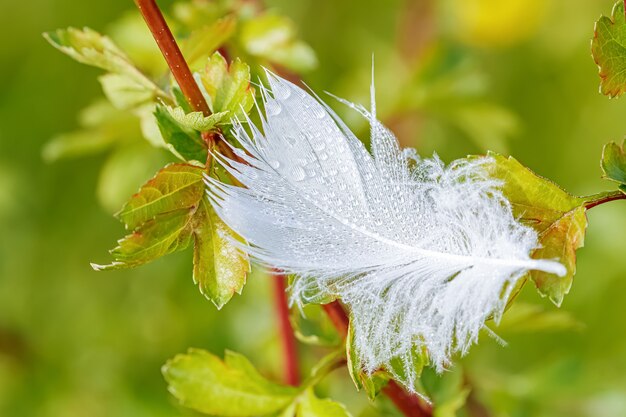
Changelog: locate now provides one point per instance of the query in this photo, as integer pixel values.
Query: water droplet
(274, 164)
(272, 108)
(318, 145)
(291, 140)
(297, 173)
(281, 91)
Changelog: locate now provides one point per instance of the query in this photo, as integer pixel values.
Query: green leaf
(448, 391)
(196, 120)
(102, 126)
(525, 317)
(89, 47)
(232, 388)
(164, 214)
(419, 359)
(180, 99)
(614, 163)
(312, 326)
(273, 37)
(124, 92)
(164, 234)
(558, 217)
(149, 126)
(311, 406)
(176, 186)
(184, 142)
(371, 383)
(609, 51)
(219, 268)
(375, 382)
(206, 40)
(78, 143)
(227, 87)
(560, 241)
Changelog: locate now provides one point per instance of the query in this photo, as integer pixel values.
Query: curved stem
(601, 198)
(290, 350)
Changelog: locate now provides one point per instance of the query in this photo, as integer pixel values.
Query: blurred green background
(453, 76)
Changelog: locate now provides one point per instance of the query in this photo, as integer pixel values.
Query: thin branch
(411, 405)
(290, 349)
(172, 54)
(602, 198)
(338, 317)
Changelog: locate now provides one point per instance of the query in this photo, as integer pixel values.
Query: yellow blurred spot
(497, 22)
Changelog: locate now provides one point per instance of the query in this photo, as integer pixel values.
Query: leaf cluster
(169, 212)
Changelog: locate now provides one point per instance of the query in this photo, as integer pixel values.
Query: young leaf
(614, 163)
(206, 40)
(177, 186)
(609, 51)
(219, 268)
(229, 388)
(195, 120)
(227, 88)
(558, 217)
(124, 92)
(164, 214)
(89, 47)
(184, 142)
(311, 406)
(102, 126)
(164, 234)
(273, 37)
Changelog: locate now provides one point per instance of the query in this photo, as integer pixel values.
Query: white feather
(422, 254)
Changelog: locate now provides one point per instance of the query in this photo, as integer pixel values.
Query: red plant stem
(411, 405)
(617, 195)
(338, 317)
(172, 54)
(290, 350)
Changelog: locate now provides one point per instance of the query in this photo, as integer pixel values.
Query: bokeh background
(455, 76)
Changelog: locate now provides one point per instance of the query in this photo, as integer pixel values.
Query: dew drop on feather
(273, 108)
(297, 173)
(281, 92)
(274, 163)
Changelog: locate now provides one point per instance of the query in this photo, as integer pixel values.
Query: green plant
(169, 212)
